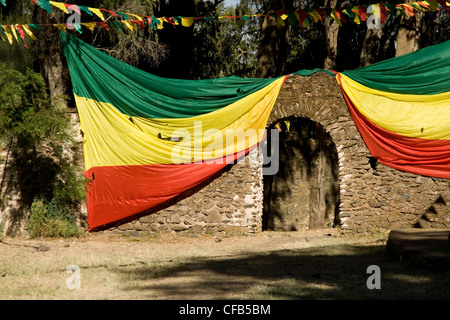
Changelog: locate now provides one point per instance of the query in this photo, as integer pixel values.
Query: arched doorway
(304, 193)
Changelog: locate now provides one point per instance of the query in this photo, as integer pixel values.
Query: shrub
(51, 220)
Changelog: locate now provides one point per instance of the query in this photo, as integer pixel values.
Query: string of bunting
(358, 14)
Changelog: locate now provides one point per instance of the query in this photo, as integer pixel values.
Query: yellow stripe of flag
(112, 138)
(417, 116)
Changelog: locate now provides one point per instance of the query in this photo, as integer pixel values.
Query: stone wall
(229, 202)
(371, 196)
(13, 212)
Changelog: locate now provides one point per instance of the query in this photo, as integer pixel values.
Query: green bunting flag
(304, 17)
(44, 4)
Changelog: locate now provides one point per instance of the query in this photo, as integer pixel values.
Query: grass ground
(316, 264)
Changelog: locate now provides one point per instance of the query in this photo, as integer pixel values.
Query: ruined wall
(371, 196)
(229, 202)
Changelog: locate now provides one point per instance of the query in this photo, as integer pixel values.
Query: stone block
(214, 216)
(179, 227)
(147, 219)
(197, 229)
(173, 218)
(125, 227)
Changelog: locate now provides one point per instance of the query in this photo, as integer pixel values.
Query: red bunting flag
(301, 16)
(408, 9)
(362, 12)
(111, 12)
(104, 25)
(140, 23)
(74, 7)
(322, 12)
(383, 13)
(22, 34)
(340, 15)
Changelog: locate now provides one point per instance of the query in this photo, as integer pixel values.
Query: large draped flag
(147, 139)
(401, 107)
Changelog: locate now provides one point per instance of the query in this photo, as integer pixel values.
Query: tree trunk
(331, 38)
(414, 32)
(408, 36)
(371, 47)
(274, 41)
(49, 55)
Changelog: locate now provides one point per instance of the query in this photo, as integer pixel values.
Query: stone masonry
(230, 202)
(372, 196)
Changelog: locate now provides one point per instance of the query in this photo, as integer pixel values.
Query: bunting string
(358, 14)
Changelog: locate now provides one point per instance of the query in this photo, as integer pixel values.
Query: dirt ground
(314, 264)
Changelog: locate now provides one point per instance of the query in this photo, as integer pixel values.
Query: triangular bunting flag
(44, 4)
(89, 25)
(98, 13)
(59, 5)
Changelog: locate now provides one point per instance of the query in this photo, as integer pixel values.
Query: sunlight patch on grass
(289, 289)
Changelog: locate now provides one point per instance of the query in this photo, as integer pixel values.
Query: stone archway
(304, 192)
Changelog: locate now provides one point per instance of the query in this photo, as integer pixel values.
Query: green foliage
(228, 46)
(16, 56)
(51, 220)
(40, 140)
(2, 231)
(137, 47)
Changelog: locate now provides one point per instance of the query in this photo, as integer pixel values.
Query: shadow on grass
(329, 272)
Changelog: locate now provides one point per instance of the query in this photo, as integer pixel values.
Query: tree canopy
(213, 48)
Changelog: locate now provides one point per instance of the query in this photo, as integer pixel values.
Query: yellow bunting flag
(357, 20)
(61, 26)
(288, 125)
(315, 15)
(278, 126)
(187, 21)
(90, 25)
(13, 31)
(98, 13)
(28, 32)
(376, 10)
(59, 5)
(135, 15)
(335, 17)
(160, 25)
(128, 24)
(1, 33)
(280, 22)
(8, 35)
